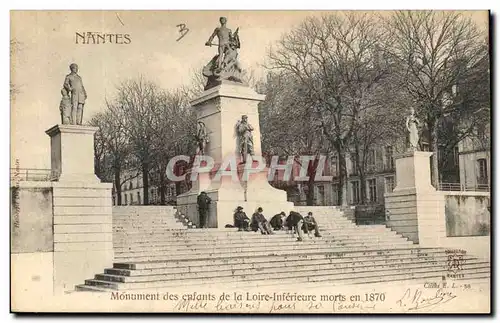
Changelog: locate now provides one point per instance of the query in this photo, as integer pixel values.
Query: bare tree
(174, 130)
(289, 127)
(112, 150)
(137, 103)
(338, 60)
(436, 50)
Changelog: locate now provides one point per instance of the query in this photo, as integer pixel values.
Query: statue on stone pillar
(412, 124)
(224, 65)
(201, 137)
(245, 137)
(73, 84)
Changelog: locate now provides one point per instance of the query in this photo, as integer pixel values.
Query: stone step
(275, 262)
(422, 277)
(296, 277)
(244, 244)
(282, 266)
(250, 249)
(126, 241)
(344, 254)
(264, 253)
(234, 232)
(247, 236)
(258, 243)
(272, 273)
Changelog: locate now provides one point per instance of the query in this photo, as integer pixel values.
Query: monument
(228, 109)
(73, 97)
(413, 193)
(81, 204)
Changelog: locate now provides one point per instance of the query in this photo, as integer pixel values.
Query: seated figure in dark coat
(241, 220)
(278, 221)
(260, 222)
(311, 224)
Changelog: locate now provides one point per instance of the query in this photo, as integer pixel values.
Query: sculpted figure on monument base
(75, 91)
(412, 125)
(201, 138)
(224, 65)
(244, 137)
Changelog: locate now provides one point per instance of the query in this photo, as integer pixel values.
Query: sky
(47, 46)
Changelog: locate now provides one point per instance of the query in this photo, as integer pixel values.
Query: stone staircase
(153, 250)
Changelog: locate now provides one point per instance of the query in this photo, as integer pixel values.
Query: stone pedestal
(413, 194)
(72, 153)
(220, 108)
(413, 171)
(80, 207)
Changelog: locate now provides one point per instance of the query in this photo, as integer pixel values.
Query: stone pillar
(81, 208)
(72, 153)
(411, 196)
(413, 172)
(220, 108)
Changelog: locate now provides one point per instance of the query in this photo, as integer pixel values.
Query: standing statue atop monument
(225, 65)
(73, 84)
(412, 124)
(245, 137)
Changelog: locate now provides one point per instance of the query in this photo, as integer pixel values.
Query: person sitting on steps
(294, 222)
(259, 221)
(277, 221)
(311, 224)
(241, 220)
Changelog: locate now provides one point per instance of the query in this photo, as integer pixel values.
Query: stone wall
(31, 218)
(61, 233)
(467, 215)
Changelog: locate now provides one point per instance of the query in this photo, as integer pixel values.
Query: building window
(371, 157)
(131, 199)
(372, 190)
(389, 160)
(354, 169)
(355, 192)
(483, 171)
(389, 184)
(138, 197)
(130, 186)
(335, 189)
(125, 198)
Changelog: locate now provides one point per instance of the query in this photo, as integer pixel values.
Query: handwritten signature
(413, 300)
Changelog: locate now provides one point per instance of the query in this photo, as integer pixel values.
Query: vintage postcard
(276, 162)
